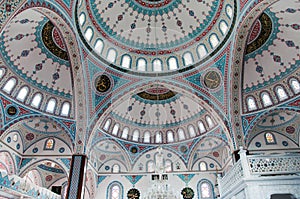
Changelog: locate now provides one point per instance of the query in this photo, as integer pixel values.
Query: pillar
(77, 177)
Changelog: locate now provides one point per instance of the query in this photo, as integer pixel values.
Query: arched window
(266, 99)
(158, 137)
(181, 135)
(126, 61)
(172, 63)
(170, 136)
(81, 18)
(2, 71)
(157, 65)
(270, 138)
(229, 11)
(150, 166)
(223, 27)
(141, 64)
(9, 86)
(15, 137)
(192, 131)
(201, 127)
(135, 135)
(188, 59)
(251, 104)
(201, 50)
(99, 46)
(206, 190)
(107, 125)
(49, 144)
(168, 166)
(115, 191)
(281, 94)
(65, 111)
(36, 101)
(214, 40)
(147, 137)
(51, 105)
(125, 133)
(295, 85)
(115, 168)
(115, 129)
(209, 122)
(89, 33)
(202, 166)
(111, 55)
(23, 94)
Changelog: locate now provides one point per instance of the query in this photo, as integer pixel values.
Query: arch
(213, 40)
(295, 85)
(141, 64)
(192, 131)
(170, 136)
(168, 166)
(125, 133)
(89, 34)
(223, 27)
(107, 124)
(202, 166)
(158, 137)
(23, 93)
(115, 190)
(202, 51)
(65, 110)
(36, 100)
(115, 129)
(150, 166)
(251, 103)
(205, 189)
(82, 18)
(116, 168)
(7, 160)
(173, 63)
(229, 11)
(98, 47)
(111, 55)
(187, 58)
(181, 134)
(147, 137)
(126, 61)
(209, 121)
(157, 65)
(281, 93)
(2, 72)
(135, 135)
(49, 144)
(51, 105)
(10, 85)
(266, 100)
(269, 138)
(201, 127)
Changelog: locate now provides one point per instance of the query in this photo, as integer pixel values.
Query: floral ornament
(187, 193)
(133, 194)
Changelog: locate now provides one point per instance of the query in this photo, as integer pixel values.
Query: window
(192, 131)
(202, 166)
(201, 127)
(214, 40)
(168, 166)
(125, 133)
(181, 135)
(135, 135)
(251, 104)
(150, 166)
(2, 71)
(23, 94)
(188, 59)
(295, 85)
(141, 64)
(81, 18)
(115, 129)
(223, 27)
(229, 11)
(206, 190)
(126, 61)
(9, 86)
(147, 137)
(266, 99)
(270, 139)
(201, 50)
(172, 63)
(51, 105)
(65, 109)
(158, 137)
(15, 136)
(49, 144)
(89, 34)
(107, 125)
(170, 136)
(115, 168)
(99, 46)
(115, 191)
(36, 101)
(281, 94)
(209, 122)
(111, 55)
(157, 65)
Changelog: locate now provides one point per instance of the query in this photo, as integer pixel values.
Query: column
(77, 177)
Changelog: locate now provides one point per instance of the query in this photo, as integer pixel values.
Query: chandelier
(160, 189)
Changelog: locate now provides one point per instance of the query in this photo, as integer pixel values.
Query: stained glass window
(36, 101)
(107, 125)
(266, 99)
(125, 133)
(205, 190)
(203, 166)
(10, 84)
(115, 192)
(295, 85)
(147, 137)
(251, 104)
(270, 139)
(281, 93)
(23, 93)
(49, 145)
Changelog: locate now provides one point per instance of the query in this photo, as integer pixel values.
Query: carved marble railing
(15, 185)
(264, 165)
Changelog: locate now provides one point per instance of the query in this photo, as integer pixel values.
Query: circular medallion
(102, 84)
(187, 193)
(12, 110)
(134, 149)
(212, 79)
(133, 194)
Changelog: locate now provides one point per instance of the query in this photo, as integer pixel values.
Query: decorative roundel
(187, 193)
(29, 136)
(107, 168)
(285, 143)
(258, 144)
(212, 79)
(48, 178)
(169, 155)
(133, 194)
(148, 156)
(103, 83)
(183, 149)
(216, 154)
(35, 150)
(134, 149)
(290, 129)
(12, 110)
(62, 149)
(211, 165)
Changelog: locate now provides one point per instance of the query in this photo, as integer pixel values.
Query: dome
(154, 37)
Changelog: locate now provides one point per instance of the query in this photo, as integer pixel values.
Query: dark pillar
(77, 177)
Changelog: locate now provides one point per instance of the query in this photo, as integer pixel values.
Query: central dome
(154, 35)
